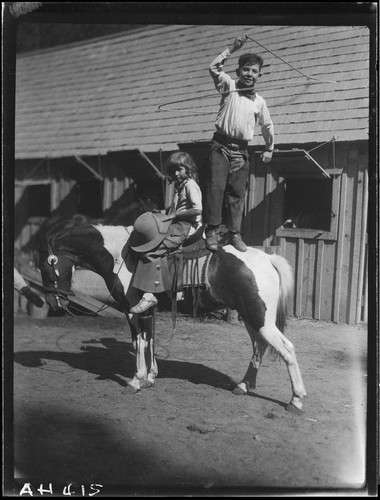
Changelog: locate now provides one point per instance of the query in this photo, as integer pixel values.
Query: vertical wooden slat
(340, 247)
(114, 194)
(282, 247)
(362, 249)
(106, 194)
(20, 215)
(299, 282)
(318, 278)
(355, 209)
(54, 195)
(364, 316)
(268, 190)
(308, 306)
(249, 206)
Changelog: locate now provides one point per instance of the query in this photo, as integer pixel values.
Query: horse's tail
(285, 273)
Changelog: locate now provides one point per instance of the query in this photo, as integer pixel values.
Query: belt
(230, 142)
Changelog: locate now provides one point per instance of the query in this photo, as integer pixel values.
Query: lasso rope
(316, 80)
(293, 67)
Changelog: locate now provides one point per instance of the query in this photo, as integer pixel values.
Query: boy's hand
(266, 156)
(32, 297)
(238, 43)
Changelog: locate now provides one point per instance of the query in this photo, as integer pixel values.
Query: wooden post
(299, 282)
(340, 247)
(363, 241)
(318, 279)
(268, 189)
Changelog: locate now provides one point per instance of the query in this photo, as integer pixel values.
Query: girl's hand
(169, 217)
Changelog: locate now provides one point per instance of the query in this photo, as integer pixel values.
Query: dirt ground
(76, 423)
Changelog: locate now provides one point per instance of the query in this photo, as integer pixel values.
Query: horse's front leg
(249, 380)
(148, 324)
(143, 341)
(153, 371)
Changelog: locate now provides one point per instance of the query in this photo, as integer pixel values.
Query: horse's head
(56, 272)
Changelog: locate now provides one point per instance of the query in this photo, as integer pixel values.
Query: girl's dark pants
(227, 181)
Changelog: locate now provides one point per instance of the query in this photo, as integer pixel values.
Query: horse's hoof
(146, 384)
(238, 391)
(293, 409)
(131, 389)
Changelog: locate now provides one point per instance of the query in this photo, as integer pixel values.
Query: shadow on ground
(114, 359)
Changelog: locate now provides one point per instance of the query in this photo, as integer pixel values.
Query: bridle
(57, 292)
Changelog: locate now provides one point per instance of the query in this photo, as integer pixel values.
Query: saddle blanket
(189, 272)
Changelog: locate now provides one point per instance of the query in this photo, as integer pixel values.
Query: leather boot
(237, 242)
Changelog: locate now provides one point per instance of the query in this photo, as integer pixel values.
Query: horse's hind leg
(273, 336)
(249, 380)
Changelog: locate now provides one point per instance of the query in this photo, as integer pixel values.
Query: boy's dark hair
(249, 59)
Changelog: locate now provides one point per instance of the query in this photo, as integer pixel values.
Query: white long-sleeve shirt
(238, 114)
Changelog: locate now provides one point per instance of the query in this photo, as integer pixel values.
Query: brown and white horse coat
(254, 283)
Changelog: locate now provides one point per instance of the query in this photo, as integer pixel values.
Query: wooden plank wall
(114, 186)
(330, 275)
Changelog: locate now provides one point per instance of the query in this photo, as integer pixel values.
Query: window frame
(318, 234)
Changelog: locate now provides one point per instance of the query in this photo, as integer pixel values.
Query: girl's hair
(180, 158)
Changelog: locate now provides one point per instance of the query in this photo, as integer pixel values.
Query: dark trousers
(227, 182)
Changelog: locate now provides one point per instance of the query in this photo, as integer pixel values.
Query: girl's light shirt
(188, 196)
(238, 115)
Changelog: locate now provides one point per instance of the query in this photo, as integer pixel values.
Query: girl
(155, 235)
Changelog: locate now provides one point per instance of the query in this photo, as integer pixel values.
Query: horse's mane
(56, 227)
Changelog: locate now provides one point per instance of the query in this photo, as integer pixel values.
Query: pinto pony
(256, 284)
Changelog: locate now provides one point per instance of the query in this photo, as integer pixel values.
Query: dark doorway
(90, 195)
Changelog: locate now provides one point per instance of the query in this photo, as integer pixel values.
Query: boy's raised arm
(216, 67)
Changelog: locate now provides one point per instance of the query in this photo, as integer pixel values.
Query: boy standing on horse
(241, 108)
(156, 234)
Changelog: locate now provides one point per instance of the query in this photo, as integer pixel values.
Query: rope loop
(315, 80)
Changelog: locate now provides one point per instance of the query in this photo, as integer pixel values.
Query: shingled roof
(150, 88)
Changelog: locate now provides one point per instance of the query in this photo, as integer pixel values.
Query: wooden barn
(96, 120)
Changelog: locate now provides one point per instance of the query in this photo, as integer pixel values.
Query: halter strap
(52, 262)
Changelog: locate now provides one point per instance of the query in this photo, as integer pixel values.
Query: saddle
(187, 264)
(184, 267)
(188, 269)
